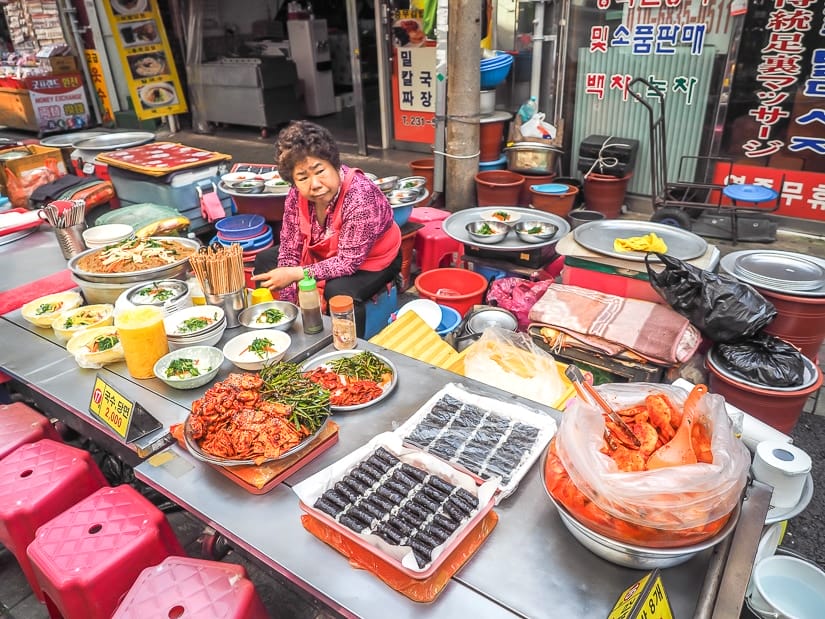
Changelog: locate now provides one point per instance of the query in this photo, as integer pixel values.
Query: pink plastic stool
(426, 214)
(21, 424)
(86, 558)
(192, 588)
(38, 481)
(433, 247)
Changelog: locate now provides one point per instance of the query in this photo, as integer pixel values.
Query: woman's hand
(280, 278)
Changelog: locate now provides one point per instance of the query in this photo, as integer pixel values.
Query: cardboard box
(60, 64)
(22, 176)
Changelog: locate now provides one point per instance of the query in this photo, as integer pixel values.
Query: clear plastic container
(310, 304)
(528, 109)
(342, 312)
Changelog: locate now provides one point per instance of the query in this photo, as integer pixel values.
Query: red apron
(381, 255)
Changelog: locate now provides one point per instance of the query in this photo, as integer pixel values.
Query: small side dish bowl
(487, 232)
(412, 183)
(250, 186)
(269, 315)
(501, 215)
(234, 179)
(190, 367)
(193, 321)
(386, 183)
(272, 343)
(276, 186)
(42, 311)
(107, 234)
(535, 231)
(79, 319)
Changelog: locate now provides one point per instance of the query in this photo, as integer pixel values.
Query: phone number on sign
(415, 121)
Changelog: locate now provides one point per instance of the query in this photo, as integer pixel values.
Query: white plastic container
(783, 466)
(788, 588)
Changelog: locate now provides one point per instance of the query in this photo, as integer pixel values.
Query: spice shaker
(310, 305)
(342, 312)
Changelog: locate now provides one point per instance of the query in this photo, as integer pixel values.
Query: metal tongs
(587, 392)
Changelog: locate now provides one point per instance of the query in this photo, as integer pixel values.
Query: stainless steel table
(529, 566)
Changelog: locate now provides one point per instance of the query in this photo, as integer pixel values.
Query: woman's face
(317, 180)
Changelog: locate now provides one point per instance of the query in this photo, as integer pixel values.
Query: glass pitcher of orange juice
(143, 338)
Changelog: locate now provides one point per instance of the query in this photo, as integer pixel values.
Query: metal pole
(384, 52)
(68, 13)
(538, 40)
(357, 88)
(441, 71)
(561, 59)
(464, 55)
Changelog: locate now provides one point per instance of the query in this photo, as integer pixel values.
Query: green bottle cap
(308, 283)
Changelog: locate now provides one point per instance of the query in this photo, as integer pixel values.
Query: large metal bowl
(252, 317)
(173, 270)
(531, 158)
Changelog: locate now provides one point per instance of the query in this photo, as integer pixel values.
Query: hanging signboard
(413, 80)
(59, 102)
(146, 57)
(98, 85)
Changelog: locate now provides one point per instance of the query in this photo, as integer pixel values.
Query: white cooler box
(180, 190)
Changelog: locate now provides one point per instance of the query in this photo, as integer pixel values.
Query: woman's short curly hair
(301, 139)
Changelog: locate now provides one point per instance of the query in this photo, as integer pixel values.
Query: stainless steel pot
(531, 158)
(174, 270)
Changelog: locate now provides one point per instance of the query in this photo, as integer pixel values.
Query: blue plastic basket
(241, 227)
(492, 77)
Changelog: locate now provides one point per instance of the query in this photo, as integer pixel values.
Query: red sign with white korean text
(59, 102)
(803, 193)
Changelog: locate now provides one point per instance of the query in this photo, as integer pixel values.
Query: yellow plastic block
(411, 336)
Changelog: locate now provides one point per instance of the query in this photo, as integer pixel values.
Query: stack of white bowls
(107, 234)
(184, 328)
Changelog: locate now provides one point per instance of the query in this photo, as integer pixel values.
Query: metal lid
(115, 141)
(781, 270)
(532, 146)
(491, 317)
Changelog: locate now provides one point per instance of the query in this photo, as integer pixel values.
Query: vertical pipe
(538, 41)
(357, 88)
(384, 96)
(69, 12)
(441, 28)
(561, 59)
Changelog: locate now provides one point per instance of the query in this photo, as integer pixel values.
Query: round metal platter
(598, 236)
(325, 359)
(65, 140)
(455, 227)
(194, 449)
(115, 141)
(728, 265)
(785, 271)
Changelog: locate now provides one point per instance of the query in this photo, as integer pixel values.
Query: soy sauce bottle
(310, 304)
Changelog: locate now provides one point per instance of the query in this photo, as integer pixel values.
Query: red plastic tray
(36, 221)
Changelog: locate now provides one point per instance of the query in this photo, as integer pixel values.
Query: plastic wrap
(669, 499)
(489, 438)
(513, 362)
(147, 219)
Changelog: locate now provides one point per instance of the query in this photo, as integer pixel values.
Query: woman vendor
(337, 224)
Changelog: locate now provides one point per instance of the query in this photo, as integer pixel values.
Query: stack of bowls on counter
(403, 194)
(107, 234)
(200, 325)
(251, 232)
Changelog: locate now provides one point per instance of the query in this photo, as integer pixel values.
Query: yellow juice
(143, 338)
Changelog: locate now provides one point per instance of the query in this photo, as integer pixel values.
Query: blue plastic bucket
(450, 319)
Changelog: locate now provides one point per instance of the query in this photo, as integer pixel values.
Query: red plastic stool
(185, 587)
(426, 214)
(435, 249)
(38, 481)
(86, 558)
(21, 424)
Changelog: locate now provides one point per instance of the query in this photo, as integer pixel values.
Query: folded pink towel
(609, 322)
(15, 298)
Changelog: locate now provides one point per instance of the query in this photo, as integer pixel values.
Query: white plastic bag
(512, 362)
(537, 128)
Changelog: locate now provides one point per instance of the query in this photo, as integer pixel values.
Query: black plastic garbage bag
(721, 307)
(763, 359)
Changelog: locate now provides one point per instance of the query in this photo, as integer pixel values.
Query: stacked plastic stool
(89, 556)
(21, 424)
(38, 481)
(434, 248)
(185, 587)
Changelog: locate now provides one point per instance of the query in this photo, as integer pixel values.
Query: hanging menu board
(146, 58)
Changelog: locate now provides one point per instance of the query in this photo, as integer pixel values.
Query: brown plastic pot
(498, 187)
(799, 320)
(779, 409)
(556, 203)
(605, 193)
(491, 135)
(532, 179)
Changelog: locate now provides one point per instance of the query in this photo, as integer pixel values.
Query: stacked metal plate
(779, 271)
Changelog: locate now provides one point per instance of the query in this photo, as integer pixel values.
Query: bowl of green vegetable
(269, 315)
(535, 231)
(255, 349)
(190, 367)
(487, 232)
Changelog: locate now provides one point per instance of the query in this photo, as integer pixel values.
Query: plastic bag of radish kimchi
(669, 473)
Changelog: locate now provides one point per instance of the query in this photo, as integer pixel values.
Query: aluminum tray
(598, 236)
(66, 140)
(194, 449)
(316, 362)
(454, 227)
(115, 141)
(728, 265)
(782, 270)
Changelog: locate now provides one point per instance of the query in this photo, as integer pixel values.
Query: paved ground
(805, 535)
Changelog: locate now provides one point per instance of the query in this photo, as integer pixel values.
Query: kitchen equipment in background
(309, 49)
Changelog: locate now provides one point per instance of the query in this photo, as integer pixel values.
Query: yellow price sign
(644, 599)
(108, 405)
